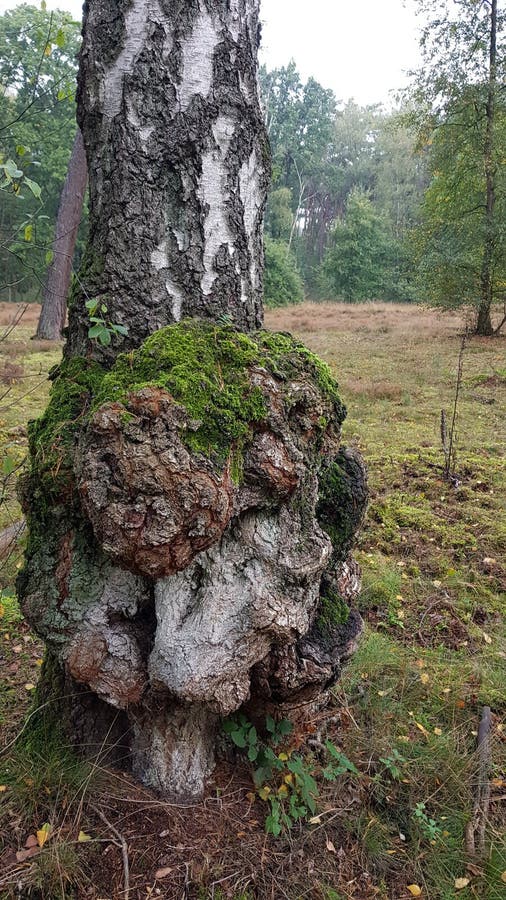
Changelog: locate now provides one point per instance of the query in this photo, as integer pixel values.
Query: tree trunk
(484, 321)
(175, 542)
(177, 157)
(56, 289)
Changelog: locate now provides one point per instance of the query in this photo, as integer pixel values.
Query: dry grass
(433, 557)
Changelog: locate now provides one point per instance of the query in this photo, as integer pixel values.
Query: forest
(252, 480)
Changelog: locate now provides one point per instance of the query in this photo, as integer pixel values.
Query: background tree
(460, 112)
(38, 65)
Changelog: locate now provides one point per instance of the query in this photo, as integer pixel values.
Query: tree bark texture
(189, 506)
(178, 162)
(56, 289)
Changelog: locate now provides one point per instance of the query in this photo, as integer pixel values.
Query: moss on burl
(205, 367)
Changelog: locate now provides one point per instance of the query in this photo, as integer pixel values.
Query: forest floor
(407, 710)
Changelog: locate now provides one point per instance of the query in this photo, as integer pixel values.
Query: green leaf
(33, 186)
(229, 726)
(28, 232)
(91, 304)
(10, 168)
(105, 337)
(60, 38)
(120, 329)
(239, 738)
(21, 149)
(8, 465)
(95, 331)
(270, 724)
(49, 257)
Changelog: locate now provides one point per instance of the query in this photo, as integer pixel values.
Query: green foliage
(38, 64)
(282, 282)
(285, 780)
(359, 262)
(101, 329)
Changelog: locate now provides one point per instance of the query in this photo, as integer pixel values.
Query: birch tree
(190, 508)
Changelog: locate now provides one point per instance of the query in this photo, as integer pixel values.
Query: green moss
(205, 367)
(332, 611)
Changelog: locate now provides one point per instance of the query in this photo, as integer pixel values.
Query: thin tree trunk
(56, 288)
(484, 321)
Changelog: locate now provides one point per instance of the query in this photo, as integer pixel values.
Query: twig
(475, 830)
(120, 842)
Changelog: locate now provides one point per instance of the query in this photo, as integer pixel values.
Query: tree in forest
(59, 273)
(460, 113)
(358, 263)
(38, 67)
(190, 508)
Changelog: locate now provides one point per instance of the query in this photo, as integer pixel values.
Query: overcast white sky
(359, 48)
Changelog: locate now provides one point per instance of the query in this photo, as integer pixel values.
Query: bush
(282, 282)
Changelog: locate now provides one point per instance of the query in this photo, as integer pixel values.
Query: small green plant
(428, 827)
(100, 329)
(393, 764)
(284, 780)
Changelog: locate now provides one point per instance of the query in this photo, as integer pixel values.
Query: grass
(407, 709)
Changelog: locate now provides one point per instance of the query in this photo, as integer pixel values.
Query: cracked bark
(177, 158)
(171, 584)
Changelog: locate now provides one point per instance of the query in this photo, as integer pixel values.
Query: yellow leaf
(382, 693)
(424, 678)
(461, 883)
(43, 834)
(415, 890)
(283, 757)
(29, 686)
(421, 728)
(487, 638)
(283, 791)
(264, 792)
(83, 838)
(288, 779)
(3, 788)
(2, 610)
(315, 820)
(47, 50)
(438, 731)
(503, 877)
(38, 662)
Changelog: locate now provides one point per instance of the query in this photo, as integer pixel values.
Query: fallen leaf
(438, 731)
(29, 686)
(415, 890)
(315, 820)
(43, 834)
(3, 788)
(487, 638)
(162, 873)
(421, 728)
(461, 883)
(22, 855)
(424, 678)
(330, 846)
(31, 841)
(503, 877)
(83, 837)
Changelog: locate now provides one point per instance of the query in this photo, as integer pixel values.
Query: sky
(359, 48)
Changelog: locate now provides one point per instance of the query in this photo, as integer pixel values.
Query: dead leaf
(330, 846)
(31, 841)
(23, 855)
(503, 876)
(3, 788)
(315, 820)
(162, 873)
(83, 837)
(29, 686)
(43, 834)
(424, 678)
(438, 731)
(461, 883)
(415, 890)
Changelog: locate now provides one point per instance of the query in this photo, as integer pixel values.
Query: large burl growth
(191, 514)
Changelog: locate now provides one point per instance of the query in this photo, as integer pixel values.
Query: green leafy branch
(101, 330)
